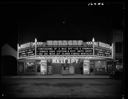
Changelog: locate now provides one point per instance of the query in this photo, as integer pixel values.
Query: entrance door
(71, 69)
(79, 68)
(56, 68)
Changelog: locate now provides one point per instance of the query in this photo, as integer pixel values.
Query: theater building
(64, 57)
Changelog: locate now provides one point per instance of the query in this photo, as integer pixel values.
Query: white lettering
(63, 60)
(49, 42)
(64, 42)
(80, 42)
(70, 42)
(74, 42)
(60, 42)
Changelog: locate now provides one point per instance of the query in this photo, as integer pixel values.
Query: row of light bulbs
(99, 3)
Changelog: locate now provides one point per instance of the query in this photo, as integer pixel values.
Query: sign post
(93, 41)
(35, 46)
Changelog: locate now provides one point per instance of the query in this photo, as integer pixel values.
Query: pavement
(14, 86)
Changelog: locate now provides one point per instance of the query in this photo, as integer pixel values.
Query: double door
(60, 69)
(56, 68)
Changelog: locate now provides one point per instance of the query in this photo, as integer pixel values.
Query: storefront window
(20, 67)
(30, 67)
(100, 66)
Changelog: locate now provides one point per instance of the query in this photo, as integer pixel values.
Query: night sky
(22, 22)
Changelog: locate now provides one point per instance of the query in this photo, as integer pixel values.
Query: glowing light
(94, 3)
(35, 40)
(99, 3)
(93, 39)
(65, 42)
(104, 45)
(63, 60)
(102, 3)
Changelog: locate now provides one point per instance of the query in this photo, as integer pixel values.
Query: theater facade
(64, 57)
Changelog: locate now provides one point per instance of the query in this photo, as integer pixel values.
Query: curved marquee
(63, 48)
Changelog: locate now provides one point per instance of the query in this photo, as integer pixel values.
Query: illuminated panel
(64, 42)
(25, 52)
(64, 51)
(103, 52)
(63, 47)
(101, 44)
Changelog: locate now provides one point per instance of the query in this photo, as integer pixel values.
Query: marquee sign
(64, 51)
(103, 52)
(27, 52)
(63, 47)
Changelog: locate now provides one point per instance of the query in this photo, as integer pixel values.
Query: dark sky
(22, 22)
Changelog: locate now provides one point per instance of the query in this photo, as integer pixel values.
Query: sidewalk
(59, 76)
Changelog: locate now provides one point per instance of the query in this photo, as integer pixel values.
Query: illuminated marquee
(104, 45)
(64, 47)
(64, 51)
(30, 44)
(65, 42)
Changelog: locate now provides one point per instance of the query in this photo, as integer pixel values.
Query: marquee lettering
(63, 60)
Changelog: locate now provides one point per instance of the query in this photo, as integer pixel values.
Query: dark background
(24, 21)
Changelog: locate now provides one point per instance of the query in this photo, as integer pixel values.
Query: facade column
(17, 57)
(86, 66)
(24, 65)
(113, 51)
(105, 66)
(43, 66)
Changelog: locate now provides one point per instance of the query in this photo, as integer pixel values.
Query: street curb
(59, 77)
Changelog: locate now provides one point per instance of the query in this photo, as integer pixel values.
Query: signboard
(27, 52)
(65, 42)
(64, 47)
(64, 51)
(103, 52)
